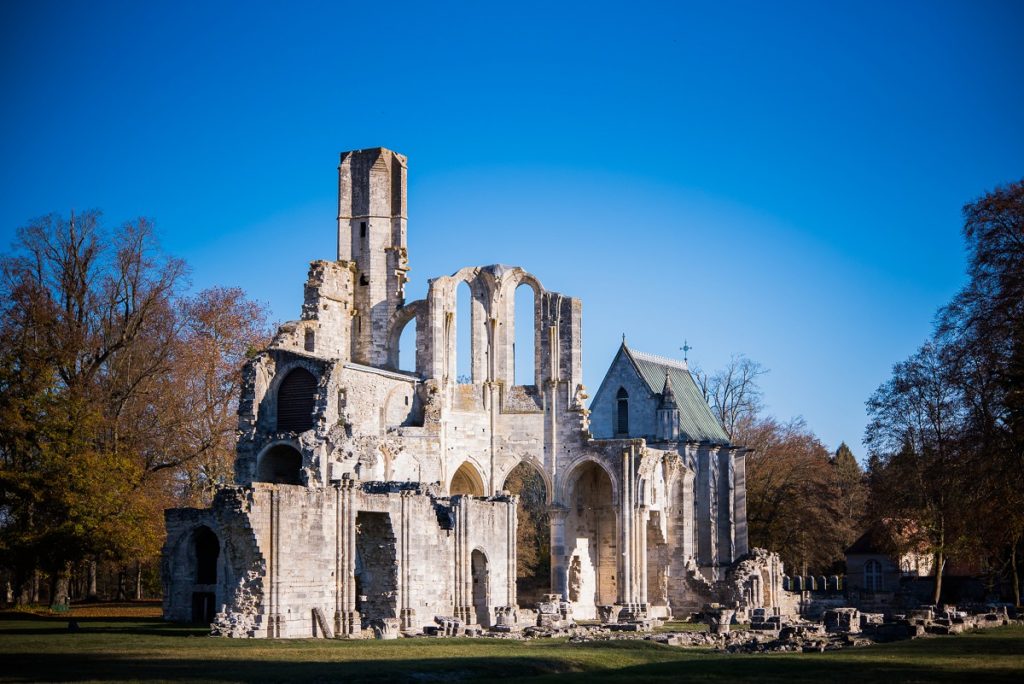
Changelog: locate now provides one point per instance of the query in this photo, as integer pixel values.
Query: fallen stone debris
(767, 633)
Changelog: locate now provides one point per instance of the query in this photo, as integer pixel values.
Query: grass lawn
(134, 646)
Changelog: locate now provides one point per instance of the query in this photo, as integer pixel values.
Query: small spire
(668, 396)
(623, 339)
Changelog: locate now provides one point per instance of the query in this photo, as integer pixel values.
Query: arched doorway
(206, 553)
(591, 540)
(481, 590)
(281, 464)
(466, 480)
(533, 533)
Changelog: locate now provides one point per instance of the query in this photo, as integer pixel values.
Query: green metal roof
(696, 422)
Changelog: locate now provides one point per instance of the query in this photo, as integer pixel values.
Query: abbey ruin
(372, 500)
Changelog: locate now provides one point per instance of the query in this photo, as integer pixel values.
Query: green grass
(36, 647)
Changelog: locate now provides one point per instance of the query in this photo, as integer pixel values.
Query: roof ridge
(663, 360)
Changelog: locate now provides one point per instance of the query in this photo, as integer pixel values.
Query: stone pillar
(407, 613)
(624, 586)
(726, 490)
(512, 550)
(347, 621)
(273, 600)
(706, 518)
(463, 568)
(643, 518)
(559, 554)
(740, 501)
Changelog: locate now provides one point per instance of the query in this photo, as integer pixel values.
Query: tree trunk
(1016, 572)
(8, 593)
(35, 586)
(24, 582)
(91, 593)
(138, 580)
(940, 564)
(121, 594)
(61, 594)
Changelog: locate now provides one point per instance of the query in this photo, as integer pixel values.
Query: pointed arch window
(622, 412)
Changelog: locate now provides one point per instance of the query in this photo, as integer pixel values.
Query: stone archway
(280, 464)
(533, 532)
(206, 555)
(591, 540)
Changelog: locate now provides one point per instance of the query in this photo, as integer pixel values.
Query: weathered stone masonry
(368, 498)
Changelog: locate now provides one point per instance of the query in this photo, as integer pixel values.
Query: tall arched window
(622, 412)
(873, 576)
(296, 400)
(524, 320)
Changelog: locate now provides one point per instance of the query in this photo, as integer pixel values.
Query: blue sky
(782, 180)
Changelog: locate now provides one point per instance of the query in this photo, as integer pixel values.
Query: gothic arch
(443, 303)
(509, 281)
(467, 480)
(571, 473)
(538, 467)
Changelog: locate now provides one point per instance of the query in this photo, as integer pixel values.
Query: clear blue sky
(777, 179)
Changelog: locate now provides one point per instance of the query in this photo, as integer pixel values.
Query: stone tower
(371, 235)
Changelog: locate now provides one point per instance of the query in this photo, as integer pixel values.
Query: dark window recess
(207, 552)
(296, 399)
(310, 340)
(622, 417)
(362, 229)
(280, 465)
(363, 280)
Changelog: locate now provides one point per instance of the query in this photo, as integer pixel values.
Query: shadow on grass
(25, 624)
(89, 667)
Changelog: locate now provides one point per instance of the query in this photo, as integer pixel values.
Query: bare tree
(733, 392)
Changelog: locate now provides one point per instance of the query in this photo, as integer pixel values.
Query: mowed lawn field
(132, 643)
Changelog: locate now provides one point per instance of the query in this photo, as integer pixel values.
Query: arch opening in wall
(207, 552)
(622, 412)
(533, 533)
(463, 334)
(296, 401)
(466, 480)
(481, 588)
(407, 343)
(591, 540)
(524, 345)
(280, 464)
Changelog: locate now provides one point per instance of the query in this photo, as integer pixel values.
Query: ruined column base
(348, 624)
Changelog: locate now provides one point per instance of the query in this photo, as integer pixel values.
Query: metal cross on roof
(686, 350)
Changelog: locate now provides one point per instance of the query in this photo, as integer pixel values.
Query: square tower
(371, 233)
